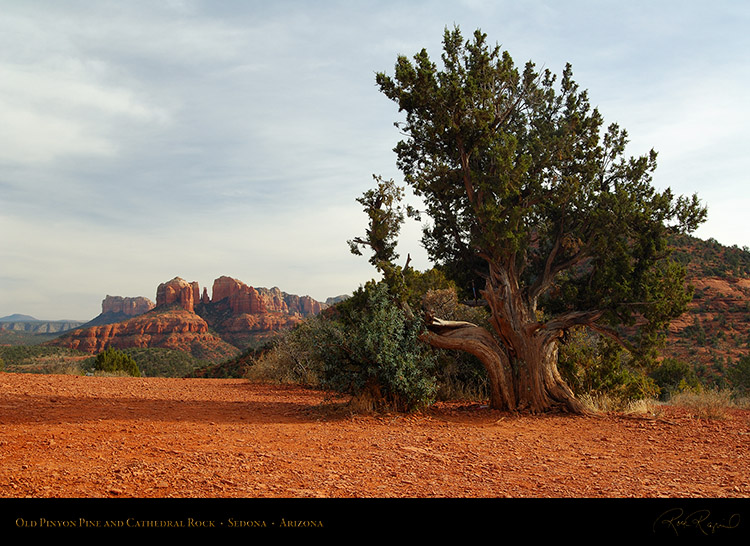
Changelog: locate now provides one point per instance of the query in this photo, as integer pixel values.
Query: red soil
(92, 437)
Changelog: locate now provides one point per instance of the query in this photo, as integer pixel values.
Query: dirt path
(87, 437)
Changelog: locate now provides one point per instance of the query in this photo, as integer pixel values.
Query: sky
(145, 140)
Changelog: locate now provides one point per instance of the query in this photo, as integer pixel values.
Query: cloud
(144, 140)
(51, 112)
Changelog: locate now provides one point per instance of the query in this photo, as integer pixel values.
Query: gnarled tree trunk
(521, 360)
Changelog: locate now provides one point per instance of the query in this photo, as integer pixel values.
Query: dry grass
(644, 407)
(604, 403)
(280, 365)
(710, 404)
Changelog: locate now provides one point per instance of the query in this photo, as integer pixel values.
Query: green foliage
(41, 359)
(112, 360)
(163, 362)
(238, 366)
(675, 376)
(519, 175)
(417, 284)
(592, 366)
(738, 374)
(372, 351)
(385, 216)
(368, 346)
(713, 376)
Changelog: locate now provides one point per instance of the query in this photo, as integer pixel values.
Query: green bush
(595, 366)
(112, 360)
(321, 351)
(675, 376)
(162, 361)
(738, 374)
(372, 351)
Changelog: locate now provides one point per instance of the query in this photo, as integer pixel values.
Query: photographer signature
(676, 520)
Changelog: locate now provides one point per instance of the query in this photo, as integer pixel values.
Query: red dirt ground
(92, 437)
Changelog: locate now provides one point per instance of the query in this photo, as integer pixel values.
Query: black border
(383, 519)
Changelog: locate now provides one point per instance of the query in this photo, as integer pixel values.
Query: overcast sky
(144, 140)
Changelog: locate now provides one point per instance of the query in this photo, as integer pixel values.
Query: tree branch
(473, 339)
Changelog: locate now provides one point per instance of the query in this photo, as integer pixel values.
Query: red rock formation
(303, 306)
(244, 299)
(309, 306)
(196, 292)
(173, 328)
(239, 313)
(177, 291)
(130, 307)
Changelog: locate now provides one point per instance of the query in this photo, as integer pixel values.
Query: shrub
(594, 367)
(738, 374)
(373, 352)
(674, 376)
(294, 356)
(324, 351)
(112, 360)
(162, 362)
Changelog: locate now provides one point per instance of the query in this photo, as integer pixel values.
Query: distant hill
(18, 318)
(336, 299)
(10, 337)
(710, 258)
(35, 326)
(715, 330)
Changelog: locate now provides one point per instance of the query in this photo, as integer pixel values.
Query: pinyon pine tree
(529, 196)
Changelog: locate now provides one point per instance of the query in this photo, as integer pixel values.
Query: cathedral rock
(235, 317)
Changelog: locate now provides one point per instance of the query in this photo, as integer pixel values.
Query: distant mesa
(235, 317)
(131, 307)
(29, 325)
(117, 308)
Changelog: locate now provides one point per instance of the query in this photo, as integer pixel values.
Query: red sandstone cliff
(239, 314)
(131, 307)
(169, 327)
(178, 291)
(243, 314)
(243, 299)
(117, 309)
